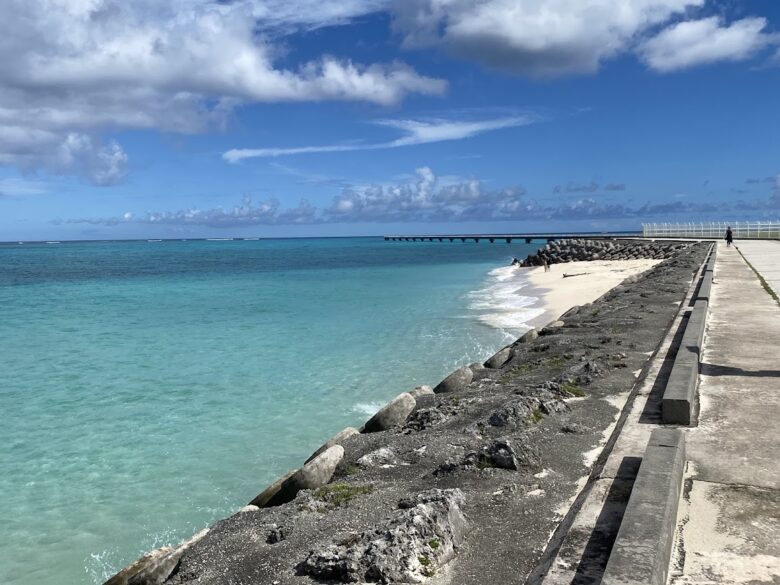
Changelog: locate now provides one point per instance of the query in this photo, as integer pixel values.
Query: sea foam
(501, 304)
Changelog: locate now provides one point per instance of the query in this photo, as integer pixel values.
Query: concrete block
(643, 546)
(706, 287)
(693, 337)
(679, 399)
(711, 262)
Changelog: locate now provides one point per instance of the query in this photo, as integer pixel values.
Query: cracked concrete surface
(729, 522)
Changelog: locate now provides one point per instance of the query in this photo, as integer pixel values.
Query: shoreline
(375, 469)
(557, 294)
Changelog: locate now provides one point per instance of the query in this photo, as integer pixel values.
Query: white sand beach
(584, 283)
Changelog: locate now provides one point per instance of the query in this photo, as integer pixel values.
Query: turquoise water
(149, 389)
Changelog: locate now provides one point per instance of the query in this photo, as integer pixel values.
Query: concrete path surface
(729, 520)
(764, 255)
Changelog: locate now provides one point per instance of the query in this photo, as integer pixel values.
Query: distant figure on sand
(729, 237)
(546, 266)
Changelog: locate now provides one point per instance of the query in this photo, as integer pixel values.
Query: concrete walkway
(765, 257)
(729, 520)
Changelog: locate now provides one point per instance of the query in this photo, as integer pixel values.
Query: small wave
(501, 304)
(368, 408)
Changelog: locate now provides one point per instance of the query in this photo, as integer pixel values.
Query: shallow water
(148, 389)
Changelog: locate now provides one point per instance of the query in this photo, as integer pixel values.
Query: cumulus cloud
(548, 38)
(429, 198)
(72, 70)
(414, 132)
(534, 37)
(700, 42)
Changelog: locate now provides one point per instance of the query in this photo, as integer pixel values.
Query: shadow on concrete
(715, 370)
(651, 414)
(590, 569)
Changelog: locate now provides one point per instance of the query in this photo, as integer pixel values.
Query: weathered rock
(553, 406)
(506, 456)
(393, 414)
(316, 473)
(501, 454)
(513, 414)
(423, 390)
(457, 380)
(425, 418)
(421, 536)
(156, 572)
(499, 358)
(276, 534)
(262, 499)
(382, 456)
(336, 439)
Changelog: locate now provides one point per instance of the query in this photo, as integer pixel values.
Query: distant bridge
(508, 238)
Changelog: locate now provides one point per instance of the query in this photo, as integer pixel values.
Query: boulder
(499, 358)
(314, 474)
(393, 414)
(456, 381)
(336, 439)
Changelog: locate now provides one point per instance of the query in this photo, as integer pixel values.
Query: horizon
(257, 118)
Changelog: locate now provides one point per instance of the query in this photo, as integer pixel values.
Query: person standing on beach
(729, 237)
(546, 266)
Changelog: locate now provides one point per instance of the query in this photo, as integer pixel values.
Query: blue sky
(281, 118)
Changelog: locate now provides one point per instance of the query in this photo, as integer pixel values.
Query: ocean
(148, 389)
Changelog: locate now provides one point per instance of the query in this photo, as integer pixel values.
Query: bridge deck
(508, 238)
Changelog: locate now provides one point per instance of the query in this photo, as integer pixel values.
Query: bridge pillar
(509, 240)
(463, 240)
(452, 239)
(476, 240)
(528, 240)
(492, 240)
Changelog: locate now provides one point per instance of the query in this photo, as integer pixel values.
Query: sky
(276, 118)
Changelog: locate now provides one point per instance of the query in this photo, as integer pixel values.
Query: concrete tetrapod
(314, 474)
(643, 546)
(393, 414)
(336, 439)
(457, 380)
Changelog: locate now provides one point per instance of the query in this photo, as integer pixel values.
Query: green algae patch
(340, 494)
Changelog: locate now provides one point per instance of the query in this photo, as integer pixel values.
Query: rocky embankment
(462, 483)
(578, 250)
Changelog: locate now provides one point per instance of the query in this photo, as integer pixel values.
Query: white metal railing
(713, 230)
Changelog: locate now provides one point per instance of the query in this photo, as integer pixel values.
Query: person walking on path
(729, 237)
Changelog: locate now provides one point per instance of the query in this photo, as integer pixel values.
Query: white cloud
(699, 42)
(21, 188)
(71, 69)
(415, 132)
(534, 37)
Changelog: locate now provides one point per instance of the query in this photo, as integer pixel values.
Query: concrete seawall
(507, 438)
